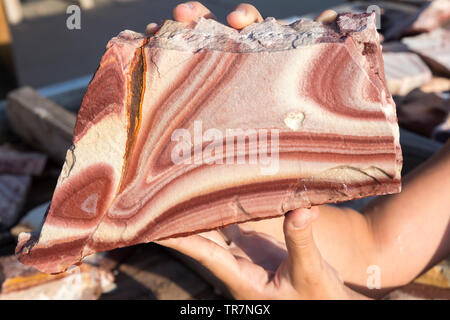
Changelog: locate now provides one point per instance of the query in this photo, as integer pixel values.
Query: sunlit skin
(324, 252)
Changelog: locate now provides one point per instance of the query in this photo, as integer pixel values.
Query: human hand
(256, 266)
(243, 15)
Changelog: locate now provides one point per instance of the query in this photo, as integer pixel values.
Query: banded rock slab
(319, 89)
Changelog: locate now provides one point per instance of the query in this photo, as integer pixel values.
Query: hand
(255, 266)
(242, 16)
(248, 270)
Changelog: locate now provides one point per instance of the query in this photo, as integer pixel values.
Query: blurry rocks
(433, 15)
(21, 163)
(425, 109)
(20, 282)
(16, 169)
(402, 19)
(438, 276)
(13, 190)
(405, 71)
(442, 131)
(434, 48)
(31, 221)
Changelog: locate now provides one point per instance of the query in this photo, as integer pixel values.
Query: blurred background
(49, 50)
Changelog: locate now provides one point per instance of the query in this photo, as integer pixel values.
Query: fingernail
(189, 5)
(241, 11)
(302, 219)
(327, 16)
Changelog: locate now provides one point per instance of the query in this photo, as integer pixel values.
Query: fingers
(327, 16)
(230, 233)
(304, 260)
(191, 11)
(185, 12)
(152, 28)
(244, 15)
(216, 237)
(214, 257)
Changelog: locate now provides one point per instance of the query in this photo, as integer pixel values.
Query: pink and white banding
(322, 87)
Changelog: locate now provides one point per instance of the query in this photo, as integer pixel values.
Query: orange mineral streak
(134, 116)
(35, 279)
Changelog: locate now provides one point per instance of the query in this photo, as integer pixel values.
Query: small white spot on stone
(90, 204)
(294, 120)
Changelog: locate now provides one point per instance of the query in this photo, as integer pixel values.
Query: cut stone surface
(434, 47)
(156, 146)
(405, 71)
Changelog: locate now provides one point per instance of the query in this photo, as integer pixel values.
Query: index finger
(191, 11)
(327, 16)
(245, 14)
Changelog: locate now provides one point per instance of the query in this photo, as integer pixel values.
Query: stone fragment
(434, 48)
(21, 163)
(433, 15)
(13, 191)
(186, 131)
(20, 282)
(405, 71)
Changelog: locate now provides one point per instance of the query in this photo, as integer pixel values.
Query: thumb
(304, 260)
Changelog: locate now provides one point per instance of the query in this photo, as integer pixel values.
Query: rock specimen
(203, 126)
(405, 71)
(19, 282)
(434, 47)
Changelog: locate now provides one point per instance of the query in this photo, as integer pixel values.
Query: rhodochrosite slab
(318, 93)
